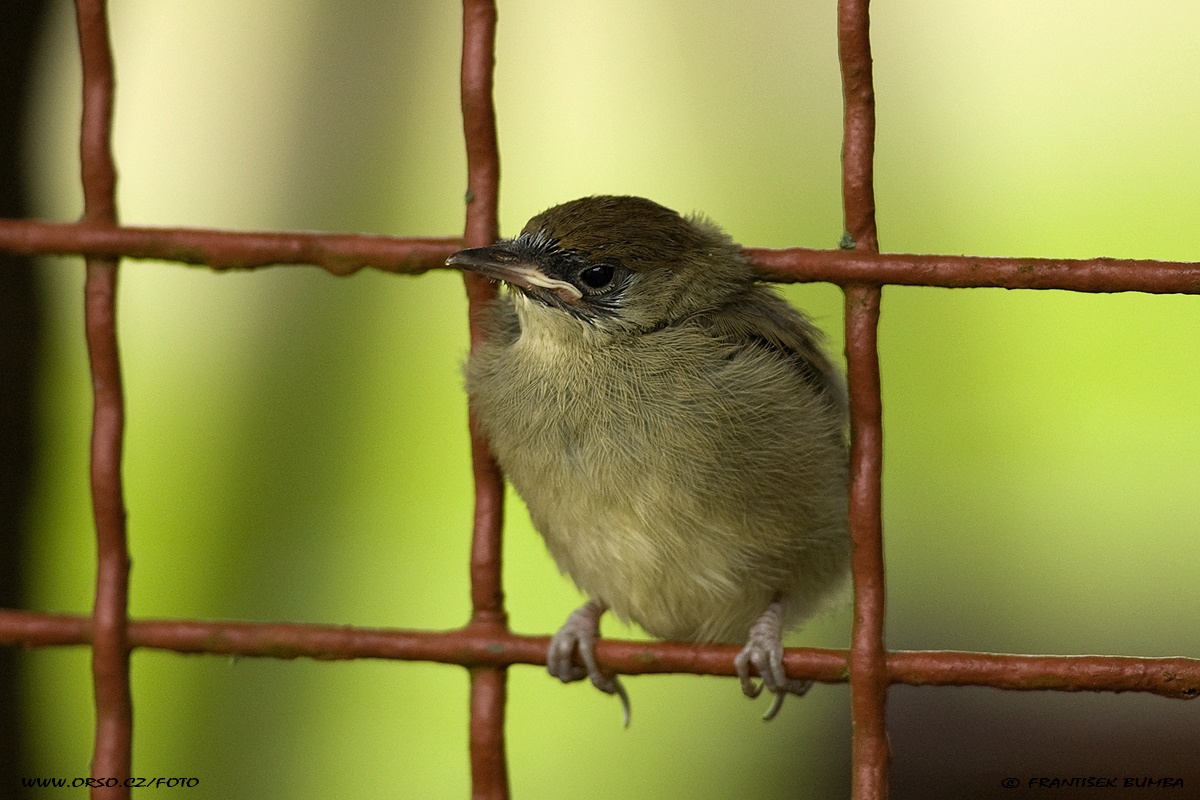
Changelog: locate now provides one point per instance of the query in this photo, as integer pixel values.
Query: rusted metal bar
(868, 658)
(110, 649)
(1077, 275)
(344, 253)
(99, 170)
(482, 228)
(868, 655)
(858, 124)
(479, 122)
(474, 647)
(338, 253)
(489, 700)
(1168, 677)
(489, 770)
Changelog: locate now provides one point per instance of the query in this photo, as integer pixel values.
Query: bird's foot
(764, 652)
(578, 635)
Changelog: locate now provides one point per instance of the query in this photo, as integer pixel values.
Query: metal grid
(485, 646)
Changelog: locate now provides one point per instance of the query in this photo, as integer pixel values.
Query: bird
(675, 428)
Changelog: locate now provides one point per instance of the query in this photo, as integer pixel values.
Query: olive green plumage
(672, 424)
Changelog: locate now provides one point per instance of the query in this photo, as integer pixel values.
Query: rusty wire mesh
(485, 646)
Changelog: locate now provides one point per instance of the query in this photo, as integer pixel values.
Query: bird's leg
(579, 634)
(764, 652)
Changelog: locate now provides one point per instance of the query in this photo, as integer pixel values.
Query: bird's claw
(578, 635)
(764, 652)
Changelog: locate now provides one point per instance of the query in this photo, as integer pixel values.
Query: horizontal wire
(338, 253)
(344, 253)
(486, 645)
(965, 272)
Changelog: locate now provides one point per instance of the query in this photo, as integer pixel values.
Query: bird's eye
(597, 276)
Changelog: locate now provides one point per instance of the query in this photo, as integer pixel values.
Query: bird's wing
(764, 319)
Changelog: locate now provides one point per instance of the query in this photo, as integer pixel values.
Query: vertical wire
(868, 656)
(489, 770)
(110, 648)
(858, 143)
(482, 228)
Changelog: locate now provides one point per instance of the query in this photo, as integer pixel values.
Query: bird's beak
(500, 263)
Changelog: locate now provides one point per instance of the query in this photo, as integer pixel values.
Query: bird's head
(616, 264)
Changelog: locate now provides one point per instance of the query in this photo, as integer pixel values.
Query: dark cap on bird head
(608, 257)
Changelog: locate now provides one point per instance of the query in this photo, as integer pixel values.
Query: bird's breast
(655, 474)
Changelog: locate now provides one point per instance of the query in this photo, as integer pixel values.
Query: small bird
(674, 427)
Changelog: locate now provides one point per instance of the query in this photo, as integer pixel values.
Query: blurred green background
(296, 445)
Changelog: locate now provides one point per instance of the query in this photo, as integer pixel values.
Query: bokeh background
(297, 449)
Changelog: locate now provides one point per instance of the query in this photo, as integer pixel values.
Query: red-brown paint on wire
(345, 253)
(489, 684)
(112, 752)
(868, 654)
(1175, 677)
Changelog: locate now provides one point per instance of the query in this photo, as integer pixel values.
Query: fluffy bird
(674, 427)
